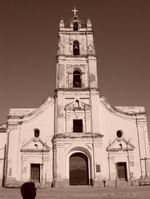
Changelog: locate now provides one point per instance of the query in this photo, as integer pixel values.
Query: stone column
(59, 164)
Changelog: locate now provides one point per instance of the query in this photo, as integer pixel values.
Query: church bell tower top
(76, 58)
(75, 24)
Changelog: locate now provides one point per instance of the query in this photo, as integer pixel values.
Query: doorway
(78, 169)
(35, 172)
(121, 171)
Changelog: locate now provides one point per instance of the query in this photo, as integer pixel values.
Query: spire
(75, 22)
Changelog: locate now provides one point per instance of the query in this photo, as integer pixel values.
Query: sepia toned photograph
(75, 99)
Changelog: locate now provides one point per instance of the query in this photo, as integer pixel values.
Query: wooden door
(122, 171)
(35, 172)
(78, 169)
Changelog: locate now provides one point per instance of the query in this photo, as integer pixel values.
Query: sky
(28, 45)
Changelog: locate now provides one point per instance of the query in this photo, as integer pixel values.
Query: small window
(98, 168)
(36, 133)
(77, 79)
(36, 146)
(77, 103)
(119, 133)
(75, 26)
(77, 126)
(76, 50)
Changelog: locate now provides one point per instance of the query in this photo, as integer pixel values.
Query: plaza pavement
(82, 192)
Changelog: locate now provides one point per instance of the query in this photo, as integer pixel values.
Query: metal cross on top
(75, 11)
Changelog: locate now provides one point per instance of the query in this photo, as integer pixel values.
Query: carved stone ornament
(77, 105)
(120, 144)
(61, 23)
(35, 145)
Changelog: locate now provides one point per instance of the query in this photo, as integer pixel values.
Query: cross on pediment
(74, 11)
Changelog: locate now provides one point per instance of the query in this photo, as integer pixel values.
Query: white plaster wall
(92, 64)
(64, 119)
(109, 123)
(66, 43)
(3, 141)
(65, 69)
(94, 100)
(24, 132)
(90, 43)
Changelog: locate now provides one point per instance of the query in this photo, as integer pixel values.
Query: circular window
(36, 133)
(119, 133)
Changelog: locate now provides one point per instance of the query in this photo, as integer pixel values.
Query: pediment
(35, 145)
(77, 105)
(120, 144)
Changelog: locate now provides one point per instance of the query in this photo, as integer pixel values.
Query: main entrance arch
(78, 169)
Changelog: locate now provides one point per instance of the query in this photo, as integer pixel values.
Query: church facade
(76, 137)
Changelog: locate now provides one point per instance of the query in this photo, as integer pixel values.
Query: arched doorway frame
(87, 154)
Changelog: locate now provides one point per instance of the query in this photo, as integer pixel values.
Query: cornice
(77, 135)
(17, 118)
(136, 113)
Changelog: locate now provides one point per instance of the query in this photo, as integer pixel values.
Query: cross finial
(75, 11)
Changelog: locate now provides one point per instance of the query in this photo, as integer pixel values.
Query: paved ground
(82, 193)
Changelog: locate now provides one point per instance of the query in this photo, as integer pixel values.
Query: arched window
(119, 133)
(36, 133)
(76, 50)
(75, 26)
(77, 79)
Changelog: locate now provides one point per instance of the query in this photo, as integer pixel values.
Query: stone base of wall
(134, 182)
(114, 183)
(99, 183)
(12, 182)
(61, 183)
(0, 183)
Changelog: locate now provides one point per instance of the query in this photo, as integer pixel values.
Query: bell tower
(77, 95)
(76, 76)
(76, 60)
